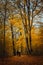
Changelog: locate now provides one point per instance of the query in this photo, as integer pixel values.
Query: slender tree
(4, 24)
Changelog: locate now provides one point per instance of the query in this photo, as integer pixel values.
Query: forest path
(22, 60)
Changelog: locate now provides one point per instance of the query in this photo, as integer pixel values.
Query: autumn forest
(21, 27)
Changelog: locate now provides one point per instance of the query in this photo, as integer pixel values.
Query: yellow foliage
(17, 22)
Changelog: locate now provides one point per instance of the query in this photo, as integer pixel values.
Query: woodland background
(21, 27)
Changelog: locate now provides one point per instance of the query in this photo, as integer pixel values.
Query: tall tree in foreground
(21, 8)
(31, 8)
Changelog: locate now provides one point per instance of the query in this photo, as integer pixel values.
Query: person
(18, 53)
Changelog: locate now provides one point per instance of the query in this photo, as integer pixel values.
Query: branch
(38, 12)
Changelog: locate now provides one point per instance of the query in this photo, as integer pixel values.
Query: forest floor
(22, 60)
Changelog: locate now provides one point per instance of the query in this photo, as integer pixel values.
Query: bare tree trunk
(14, 52)
(4, 26)
(26, 31)
(30, 41)
(29, 27)
(30, 37)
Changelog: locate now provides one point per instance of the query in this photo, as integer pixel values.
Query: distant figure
(18, 53)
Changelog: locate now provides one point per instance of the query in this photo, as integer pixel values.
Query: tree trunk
(14, 52)
(4, 54)
(26, 30)
(29, 27)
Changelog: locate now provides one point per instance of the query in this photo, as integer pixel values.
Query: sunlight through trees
(21, 27)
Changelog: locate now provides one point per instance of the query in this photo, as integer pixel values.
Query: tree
(5, 12)
(27, 9)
